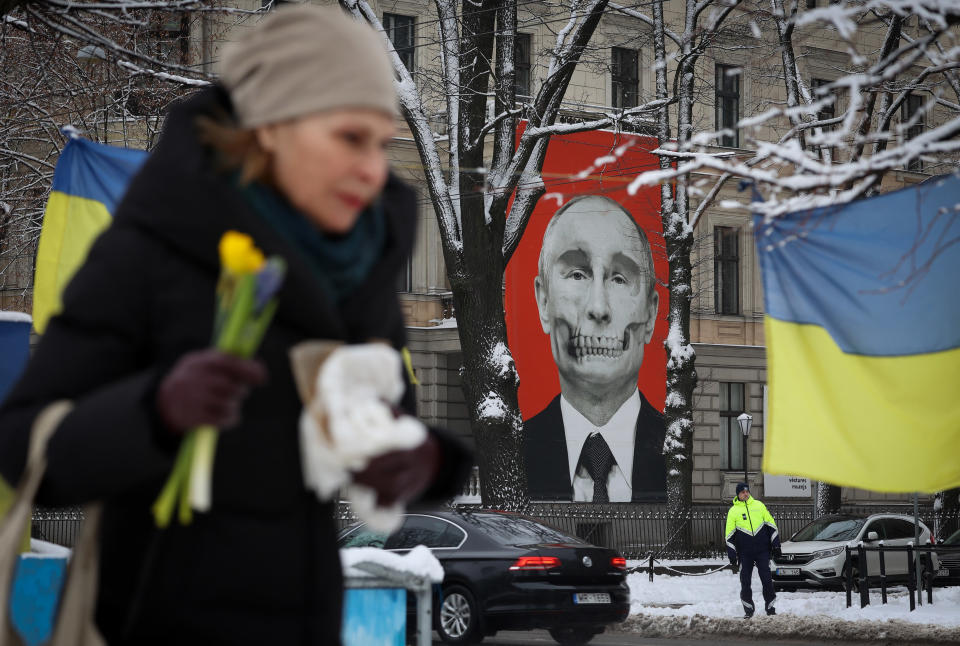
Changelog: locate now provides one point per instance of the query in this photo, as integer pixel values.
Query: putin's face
(594, 294)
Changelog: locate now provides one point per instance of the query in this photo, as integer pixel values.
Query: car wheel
(574, 636)
(457, 618)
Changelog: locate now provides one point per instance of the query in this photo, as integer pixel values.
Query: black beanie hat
(741, 486)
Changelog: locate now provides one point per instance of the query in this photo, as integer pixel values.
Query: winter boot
(771, 612)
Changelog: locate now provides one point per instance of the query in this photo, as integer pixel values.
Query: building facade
(617, 72)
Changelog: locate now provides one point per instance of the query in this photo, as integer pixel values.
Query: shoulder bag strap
(18, 517)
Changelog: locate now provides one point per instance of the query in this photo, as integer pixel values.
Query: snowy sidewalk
(709, 605)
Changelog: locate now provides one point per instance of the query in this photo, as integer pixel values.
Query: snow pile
(15, 317)
(709, 605)
(492, 407)
(419, 561)
(502, 360)
(348, 419)
(44, 548)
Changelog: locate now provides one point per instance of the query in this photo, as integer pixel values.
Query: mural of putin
(599, 440)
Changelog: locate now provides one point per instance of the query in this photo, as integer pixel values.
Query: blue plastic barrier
(35, 591)
(374, 617)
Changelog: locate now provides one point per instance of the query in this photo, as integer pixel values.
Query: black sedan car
(505, 571)
(949, 553)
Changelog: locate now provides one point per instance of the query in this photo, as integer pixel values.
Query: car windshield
(953, 539)
(830, 529)
(517, 530)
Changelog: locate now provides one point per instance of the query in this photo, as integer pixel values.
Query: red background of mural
(568, 156)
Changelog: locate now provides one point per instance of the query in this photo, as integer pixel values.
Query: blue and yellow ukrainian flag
(863, 340)
(88, 182)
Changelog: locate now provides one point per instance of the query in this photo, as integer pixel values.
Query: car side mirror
(873, 536)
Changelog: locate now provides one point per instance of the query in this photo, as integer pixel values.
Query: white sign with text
(786, 487)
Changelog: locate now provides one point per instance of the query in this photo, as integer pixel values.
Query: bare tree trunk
(946, 507)
(489, 378)
(827, 500)
(678, 236)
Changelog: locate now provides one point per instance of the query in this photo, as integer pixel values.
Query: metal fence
(864, 579)
(60, 526)
(636, 531)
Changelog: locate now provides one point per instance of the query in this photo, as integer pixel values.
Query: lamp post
(745, 421)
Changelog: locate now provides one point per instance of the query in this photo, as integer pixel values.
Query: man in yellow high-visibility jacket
(751, 536)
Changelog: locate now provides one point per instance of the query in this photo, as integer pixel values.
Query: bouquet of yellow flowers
(245, 305)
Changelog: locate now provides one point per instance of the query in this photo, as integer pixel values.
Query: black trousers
(762, 561)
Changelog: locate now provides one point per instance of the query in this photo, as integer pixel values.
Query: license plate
(591, 597)
(943, 572)
(788, 571)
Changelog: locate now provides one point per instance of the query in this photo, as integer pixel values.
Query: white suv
(814, 556)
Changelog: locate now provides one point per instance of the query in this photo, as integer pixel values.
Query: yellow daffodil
(238, 254)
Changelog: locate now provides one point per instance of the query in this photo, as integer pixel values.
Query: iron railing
(60, 526)
(864, 579)
(637, 531)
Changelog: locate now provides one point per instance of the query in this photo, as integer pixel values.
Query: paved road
(541, 638)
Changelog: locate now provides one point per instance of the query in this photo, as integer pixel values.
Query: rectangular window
(625, 77)
(405, 277)
(168, 39)
(811, 4)
(912, 112)
(726, 270)
(727, 103)
(731, 439)
(521, 64)
(400, 31)
(825, 113)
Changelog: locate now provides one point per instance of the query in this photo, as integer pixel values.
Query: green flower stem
(185, 514)
(257, 329)
(238, 316)
(163, 507)
(201, 469)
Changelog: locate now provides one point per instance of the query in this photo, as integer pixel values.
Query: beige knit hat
(302, 59)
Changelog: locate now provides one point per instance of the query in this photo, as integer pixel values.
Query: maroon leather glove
(401, 476)
(206, 387)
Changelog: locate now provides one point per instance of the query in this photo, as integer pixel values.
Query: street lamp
(745, 421)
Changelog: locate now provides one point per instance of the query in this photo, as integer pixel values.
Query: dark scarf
(340, 262)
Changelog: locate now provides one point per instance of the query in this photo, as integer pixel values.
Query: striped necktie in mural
(597, 459)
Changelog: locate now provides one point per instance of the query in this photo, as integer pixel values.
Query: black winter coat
(262, 567)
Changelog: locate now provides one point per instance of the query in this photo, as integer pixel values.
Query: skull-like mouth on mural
(589, 347)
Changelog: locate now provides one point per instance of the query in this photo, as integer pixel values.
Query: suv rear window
(830, 529)
(517, 530)
(897, 528)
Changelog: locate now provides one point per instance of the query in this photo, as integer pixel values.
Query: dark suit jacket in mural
(545, 453)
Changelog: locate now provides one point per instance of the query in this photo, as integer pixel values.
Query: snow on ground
(718, 595)
(710, 605)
